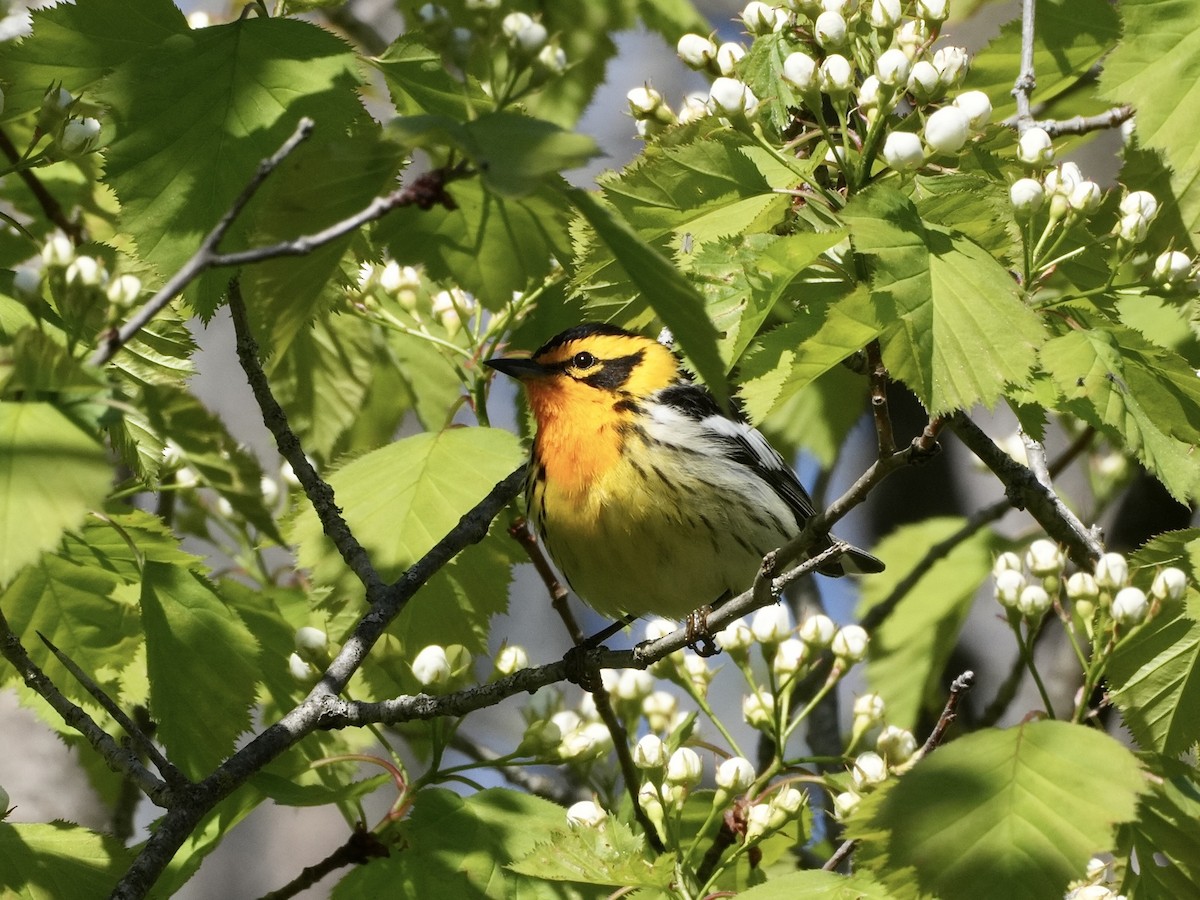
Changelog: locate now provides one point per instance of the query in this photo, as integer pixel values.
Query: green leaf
(285, 791)
(1070, 37)
(73, 606)
(489, 245)
(515, 154)
(819, 418)
(1000, 811)
(818, 885)
(743, 277)
(232, 93)
(1154, 70)
(1166, 839)
(608, 855)
(761, 69)
(59, 861)
(958, 333)
(669, 294)
(418, 82)
(121, 543)
(401, 499)
(51, 474)
(201, 660)
(978, 208)
(792, 356)
(1144, 397)
(462, 847)
(672, 18)
(76, 44)
(909, 651)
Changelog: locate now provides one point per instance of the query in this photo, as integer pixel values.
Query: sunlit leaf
(59, 861)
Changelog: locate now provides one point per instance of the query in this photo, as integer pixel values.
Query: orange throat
(579, 435)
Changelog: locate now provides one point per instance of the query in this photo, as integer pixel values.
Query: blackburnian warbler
(647, 496)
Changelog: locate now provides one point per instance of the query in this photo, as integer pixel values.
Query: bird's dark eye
(583, 360)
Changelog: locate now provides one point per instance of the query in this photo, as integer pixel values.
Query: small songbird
(648, 497)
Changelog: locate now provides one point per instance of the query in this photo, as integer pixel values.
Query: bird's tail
(855, 561)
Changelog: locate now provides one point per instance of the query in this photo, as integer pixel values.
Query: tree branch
(1026, 79)
(1024, 491)
(119, 759)
(1113, 118)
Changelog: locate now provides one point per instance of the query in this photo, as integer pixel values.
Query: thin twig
(1027, 78)
(172, 775)
(360, 848)
(1113, 118)
(47, 201)
(120, 759)
(530, 782)
(318, 491)
(878, 375)
(1024, 491)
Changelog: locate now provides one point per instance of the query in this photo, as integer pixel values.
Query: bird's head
(591, 365)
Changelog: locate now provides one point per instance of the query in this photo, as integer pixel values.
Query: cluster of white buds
(1137, 211)
(649, 110)
(1095, 885)
(1071, 195)
(764, 819)
(74, 136)
(452, 308)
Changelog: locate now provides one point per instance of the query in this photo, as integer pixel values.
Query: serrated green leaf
(997, 815)
(667, 292)
(818, 418)
(515, 154)
(1070, 37)
(945, 303)
(59, 861)
(121, 543)
(1154, 70)
(401, 499)
(201, 660)
(979, 208)
(818, 885)
(37, 365)
(909, 651)
(610, 854)
(76, 44)
(792, 356)
(232, 93)
(761, 68)
(1166, 839)
(205, 838)
(1143, 396)
(418, 82)
(51, 474)
(489, 245)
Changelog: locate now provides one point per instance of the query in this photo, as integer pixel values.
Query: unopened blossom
(923, 81)
(79, 136)
(849, 644)
(835, 75)
(650, 752)
(1112, 571)
(1009, 585)
(728, 56)
(771, 624)
(1034, 147)
(1169, 584)
(817, 631)
(1044, 558)
(903, 151)
(830, 30)
(696, 51)
(684, 768)
(885, 14)
(1171, 268)
(586, 814)
(732, 98)
(431, 666)
(1033, 601)
(1130, 606)
(800, 71)
(951, 64)
(893, 67)
(947, 130)
(869, 770)
(735, 775)
(978, 107)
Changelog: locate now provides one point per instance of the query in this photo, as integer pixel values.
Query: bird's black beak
(517, 367)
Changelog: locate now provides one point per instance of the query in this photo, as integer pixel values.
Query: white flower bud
(947, 130)
(1009, 585)
(1082, 586)
(85, 270)
(869, 770)
(735, 638)
(268, 487)
(760, 18)
(56, 101)
(923, 81)
(893, 68)
(694, 108)
(903, 151)
(650, 753)
(301, 669)
(830, 30)
(79, 136)
(1171, 268)
(696, 51)
(896, 745)
(1006, 560)
(817, 631)
(844, 803)
(684, 768)
(524, 35)
(483, 4)
(659, 709)
(868, 709)
(978, 107)
(225, 508)
(870, 94)
(394, 278)
(1130, 606)
(771, 624)
(1141, 203)
(58, 251)
(644, 102)
(27, 281)
(633, 685)
(1027, 196)
(758, 821)
(1085, 198)
(728, 56)
(951, 64)
(935, 12)
(1112, 571)
(835, 76)
(800, 71)
(696, 671)
(758, 709)
(849, 644)
(730, 97)
(786, 805)
(1033, 601)
(431, 667)
(735, 775)
(912, 36)
(586, 814)
(885, 14)
(311, 640)
(552, 59)
(1133, 228)
(1034, 147)
(186, 477)
(1169, 584)
(124, 290)
(1044, 558)
(566, 721)
(511, 658)
(790, 657)
(844, 7)
(658, 627)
